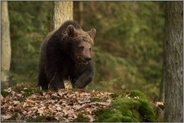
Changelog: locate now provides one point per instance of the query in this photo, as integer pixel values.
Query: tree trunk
(173, 64)
(62, 11)
(6, 44)
(78, 12)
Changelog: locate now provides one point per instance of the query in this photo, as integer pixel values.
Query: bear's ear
(71, 31)
(92, 33)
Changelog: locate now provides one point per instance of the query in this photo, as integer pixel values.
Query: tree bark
(6, 44)
(62, 11)
(173, 64)
(78, 12)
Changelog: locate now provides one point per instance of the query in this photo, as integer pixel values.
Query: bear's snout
(84, 59)
(88, 58)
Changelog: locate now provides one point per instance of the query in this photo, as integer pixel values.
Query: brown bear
(66, 55)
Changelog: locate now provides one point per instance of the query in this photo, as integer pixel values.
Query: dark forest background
(128, 45)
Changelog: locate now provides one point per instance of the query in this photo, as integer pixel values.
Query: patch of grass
(30, 91)
(4, 93)
(27, 92)
(114, 96)
(73, 89)
(81, 118)
(96, 100)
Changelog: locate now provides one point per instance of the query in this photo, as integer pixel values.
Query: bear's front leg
(56, 82)
(83, 80)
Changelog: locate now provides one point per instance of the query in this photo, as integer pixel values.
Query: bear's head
(81, 43)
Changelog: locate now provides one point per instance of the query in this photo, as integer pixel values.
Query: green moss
(27, 92)
(96, 100)
(103, 115)
(146, 111)
(113, 115)
(114, 96)
(73, 89)
(30, 91)
(128, 109)
(17, 88)
(4, 93)
(81, 118)
(123, 94)
(125, 103)
(116, 117)
(137, 93)
(36, 90)
(128, 119)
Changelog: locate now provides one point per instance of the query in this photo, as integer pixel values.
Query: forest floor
(72, 105)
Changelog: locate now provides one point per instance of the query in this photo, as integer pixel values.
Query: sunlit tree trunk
(6, 44)
(173, 66)
(62, 11)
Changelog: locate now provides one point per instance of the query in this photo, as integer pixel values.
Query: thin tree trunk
(78, 12)
(6, 44)
(173, 64)
(62, 12)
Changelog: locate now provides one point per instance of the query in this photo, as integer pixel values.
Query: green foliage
(96, 100)
(114, 96)
(133, 108)
(74, 89)
(29, 23)
(127, 50)
(81, 118)
(128, 44)
(146, 111)
(30, 91)
(103, 114)
(26, 90)
(115, 74)
(135, 93)
(4, 93)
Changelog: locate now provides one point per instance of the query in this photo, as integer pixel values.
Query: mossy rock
(134, 108)
(114, 96)
(137, 93)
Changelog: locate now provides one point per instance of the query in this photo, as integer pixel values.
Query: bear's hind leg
(42, 81)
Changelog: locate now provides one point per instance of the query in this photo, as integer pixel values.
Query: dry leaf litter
(63, 106)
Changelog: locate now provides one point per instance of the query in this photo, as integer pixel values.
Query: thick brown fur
(66, 54)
